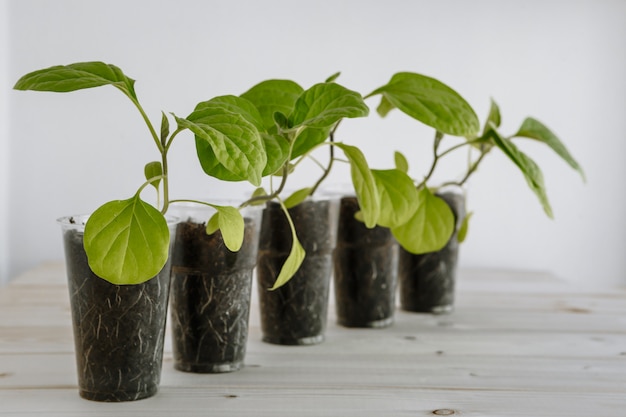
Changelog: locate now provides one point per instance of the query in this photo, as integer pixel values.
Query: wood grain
(518, 344)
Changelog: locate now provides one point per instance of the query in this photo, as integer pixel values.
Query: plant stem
(437, 141)
(272, 195)
(330, 161)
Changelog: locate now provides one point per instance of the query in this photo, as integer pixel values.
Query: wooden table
(518, 344)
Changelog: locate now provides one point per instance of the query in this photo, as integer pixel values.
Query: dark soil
(118, 329)
(427, 281)
(365, 266)
(210, 300)
(296, 313)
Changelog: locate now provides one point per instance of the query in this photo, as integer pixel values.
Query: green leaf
(231, 224)
(229, 147)
(236, 105)
(398, 197)
(273, 96)
(297, 197)
(324, 104)
(152, 170)
(464, 228)
(534, 129)
(494, 118)
(430, 227)
(258, 192)
(165, 129)
(126, 241)
(213, 225)
(333, 77)
(384, 107)
(281, 121)
(401, 162)
(277, 152)
(295, 258)
(531, 171)
(430, 102)
(364, 184)
(308, 139)
(78, 76)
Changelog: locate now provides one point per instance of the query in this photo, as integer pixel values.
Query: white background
(563, 62)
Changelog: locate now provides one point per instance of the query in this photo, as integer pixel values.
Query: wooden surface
(518, 344)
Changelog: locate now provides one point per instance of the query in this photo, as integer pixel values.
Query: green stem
(330, 161)
(436, 156)
(272, 195)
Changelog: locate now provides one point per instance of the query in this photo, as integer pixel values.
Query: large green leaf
(273, 96)
(364, 184)
(236, 105)
(229, 147)
(429, 101)
(398, 197)
(231, 225)
(324, 104)
(534, 129)
(430, 227)
(126, 241)
(78, 76)
(531, 171)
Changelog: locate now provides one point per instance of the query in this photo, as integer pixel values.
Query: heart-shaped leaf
(231, 225)
(153, 170)
(398, 197)
(126, 241)
(430, 102)
(364, 184)
(534, 129)
(78, 76)
(430, 227)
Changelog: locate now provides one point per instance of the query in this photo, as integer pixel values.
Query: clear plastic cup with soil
(427, 281)
(365, 270)
(119, 330)
(211, 292)
(296, 313)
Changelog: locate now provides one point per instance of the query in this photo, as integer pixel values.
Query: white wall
(560, 61)
(4, 144)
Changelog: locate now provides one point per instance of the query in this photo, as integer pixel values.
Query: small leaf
(258, 192)
(430, 102)
(401, 162)
(384, 107)
(297, 197)
(282, 121)
(78, 76)
(398, 197)
(126, 241)
(152, 170)
(462, 235)
(494, 117)
(531, 171)
(333, 77)
(364, 184)
(295, 258)
(273, 96)
(165, 129)
(213, 225)
(231, 224)
(534, 129)
(430, 227)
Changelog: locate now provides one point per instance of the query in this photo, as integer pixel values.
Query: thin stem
(330, 161)
(437, 141)
(272, 195)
